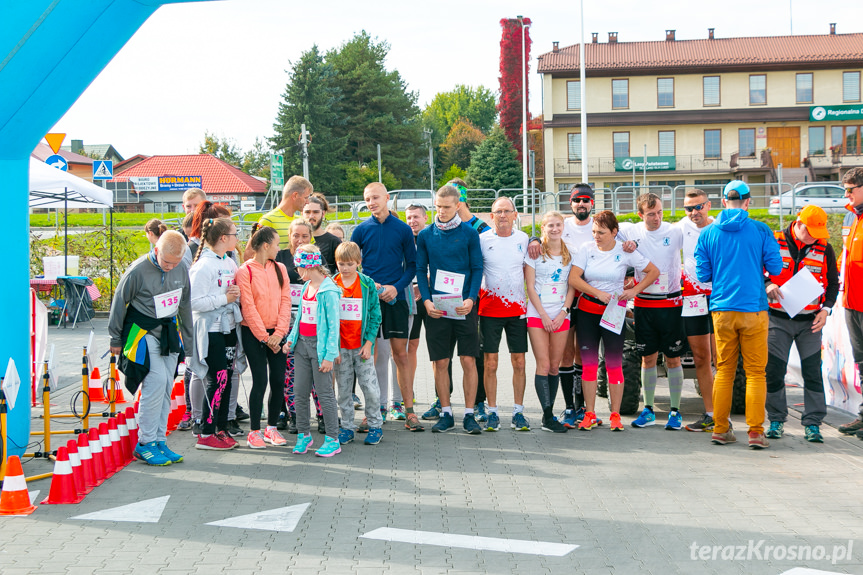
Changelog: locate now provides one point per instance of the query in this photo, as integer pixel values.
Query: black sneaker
(282, 423)
(553, 425)
(241, 415)
(703, 424)
(234, 428)
(196, 428)
(321, 427)
(292, 424)
(471, 426)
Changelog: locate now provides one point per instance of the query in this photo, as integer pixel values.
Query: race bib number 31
(449, 282)
(310, 312)
(168, 303)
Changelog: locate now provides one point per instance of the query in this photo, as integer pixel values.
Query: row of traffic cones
(98, 394)
(81, 465)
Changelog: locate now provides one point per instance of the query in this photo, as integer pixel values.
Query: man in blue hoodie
(733, 253)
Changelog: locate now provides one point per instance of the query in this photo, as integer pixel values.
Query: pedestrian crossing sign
(103, 170)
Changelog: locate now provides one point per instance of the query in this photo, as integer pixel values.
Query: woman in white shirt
(549, 299)
(599, 273)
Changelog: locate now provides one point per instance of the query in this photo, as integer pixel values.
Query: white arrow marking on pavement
(282, 519)
(471, 542)
(147, 511)
(33, 496)
(807, 571)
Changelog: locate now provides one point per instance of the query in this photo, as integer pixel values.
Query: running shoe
(412, 423)
(345, 436)
(150, 454)
(185, 423)
(493, 423)
(282, 423)
(553, 425)
(568, 418)
(364, 426)
(241, 415)
(646, 418)
(614, 422)
(234, 428)
(723, 438)
(329, 448)
(196, 429)
(397, 412)
(445, 423)
(589, 421)
(776, 430)
(292, 424)
(273, 437)
(358, 405)
(384, 412)
(211, 442)
(433, 412)
(579, 414)
(758, 441)
(255, 440)
(172, 456)
(852, 427)
(813, 434)
(520, 422)
(480, 413)
(321, 427)
(675, 421)
(374, 436)
(471, 427)
(704, 423)
(303, 443)
(227, 439)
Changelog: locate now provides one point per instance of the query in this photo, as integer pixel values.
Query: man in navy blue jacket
(449, 256)
(733, 253)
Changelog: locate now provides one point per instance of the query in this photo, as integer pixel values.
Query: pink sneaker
(212, 442)
(227, 439)
(273, 437)
(255, 440)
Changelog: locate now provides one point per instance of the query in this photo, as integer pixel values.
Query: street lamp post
(524, 166)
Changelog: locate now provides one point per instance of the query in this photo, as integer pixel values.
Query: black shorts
(492, 328)
(418, 320)
(659, 329)
(443, 334)
(699, 324)
(394, 320)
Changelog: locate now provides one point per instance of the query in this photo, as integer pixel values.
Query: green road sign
(834, 113)
(654, 164)
(277, 172)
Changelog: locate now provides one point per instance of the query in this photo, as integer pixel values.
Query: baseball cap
(581, 192)
(736, 190)
(815, 220)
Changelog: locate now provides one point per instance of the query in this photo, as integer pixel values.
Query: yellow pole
(2, 430)
(85, 382)
(112, 391)
(46, 402)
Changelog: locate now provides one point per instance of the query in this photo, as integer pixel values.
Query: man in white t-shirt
(696, 299)
(502, 307)
(658, 320)
(577, 231)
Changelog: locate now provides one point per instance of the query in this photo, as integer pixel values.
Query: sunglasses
(851, 190)
(581, 200)
(696, 207)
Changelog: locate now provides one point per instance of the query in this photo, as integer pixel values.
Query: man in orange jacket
(853, 266)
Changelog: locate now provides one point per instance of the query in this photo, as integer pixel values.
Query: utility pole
(304, 142)
(380, 173)
(428, 134)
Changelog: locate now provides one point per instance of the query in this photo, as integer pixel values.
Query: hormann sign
(834, 113)
(654, 164)
(179, 183)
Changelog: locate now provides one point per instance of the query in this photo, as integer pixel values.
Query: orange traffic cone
(173, 415)
(125, 443)
(116, 449)
(100, 473)
(77, 470)
(15, 500)
(86, 462)
(179, 387)
(62, 484)
(107, 452)
(95, 387)
(132, 422)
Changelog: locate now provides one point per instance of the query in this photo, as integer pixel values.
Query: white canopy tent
(53, 188)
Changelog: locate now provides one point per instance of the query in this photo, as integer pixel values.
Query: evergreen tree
(493, 166)
(312, 97)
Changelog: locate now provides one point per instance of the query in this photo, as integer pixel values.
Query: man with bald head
(150, 298)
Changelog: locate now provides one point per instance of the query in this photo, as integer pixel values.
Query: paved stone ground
(634, 502)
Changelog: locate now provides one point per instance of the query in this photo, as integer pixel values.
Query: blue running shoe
(172, 456)
(303, 443)
(579, 414)
(151, 454)
(569, 420)
(329, 448)
(471, 427)
(345, 436)
(445, 423)
(493, 423)
(777, 429)
(813, 434)
(479, 412)
(675, 421)
(433, 412)
(374, 436)
(520, 422)
(646, 418)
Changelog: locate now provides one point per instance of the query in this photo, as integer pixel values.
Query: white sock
(517, 409)
(447, 410)
(468, 411)
(271, 428)
(710, 413)
(492, 409)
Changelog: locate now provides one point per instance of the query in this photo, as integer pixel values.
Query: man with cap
(733, 253)
(803, 244)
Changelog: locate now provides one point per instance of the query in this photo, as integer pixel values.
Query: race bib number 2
(168, 303)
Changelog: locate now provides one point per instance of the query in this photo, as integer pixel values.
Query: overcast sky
(220, 66)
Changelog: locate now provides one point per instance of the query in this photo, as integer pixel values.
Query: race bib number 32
(168, 303)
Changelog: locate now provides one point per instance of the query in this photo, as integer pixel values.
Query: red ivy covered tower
(512, 78)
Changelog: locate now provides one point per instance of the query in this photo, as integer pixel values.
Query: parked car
(403, 198)
(831, 197)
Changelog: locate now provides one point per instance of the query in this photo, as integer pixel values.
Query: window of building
(804, 88)
(669, 183)
(620, 93)
(746, 142)
(711, 90)
(712, 143)
(850, 86)
(621, 144)
(574, 147)
(846, 139)
(665, 92)
(816, 140)
(666, 143)
(573, 95)
(757, 89)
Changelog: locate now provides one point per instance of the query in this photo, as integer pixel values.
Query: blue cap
(736, 190)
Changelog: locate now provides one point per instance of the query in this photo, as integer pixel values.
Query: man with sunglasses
(853, 276)
(696, 299)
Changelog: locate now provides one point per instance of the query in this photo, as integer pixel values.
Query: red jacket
(854, 265)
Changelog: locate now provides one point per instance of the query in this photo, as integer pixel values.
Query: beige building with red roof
(157, 183)
(707, 111)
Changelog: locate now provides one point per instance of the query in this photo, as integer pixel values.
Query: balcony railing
(605, 166)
